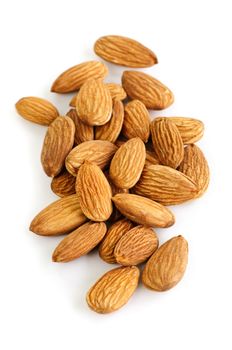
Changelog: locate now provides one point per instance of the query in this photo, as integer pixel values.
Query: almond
(63, 184)
(141, 86)
(83, 132)
(57, 144)
(151, 158)
(79, 242)
(73, 78)
(113, 289)
(124, 51)
(191, 130)
(37, 110)
(167, 265)
(143, 211)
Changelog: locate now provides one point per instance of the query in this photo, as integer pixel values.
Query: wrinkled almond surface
(191, 129)
(63, 184)
(83, 132)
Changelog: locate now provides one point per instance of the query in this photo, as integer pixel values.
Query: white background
(43, 303)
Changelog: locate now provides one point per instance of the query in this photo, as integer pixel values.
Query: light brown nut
(114, 234)
(191, 130)
(96, 151)
(94, 103)
(136, 246)
(73, 78)
(195, 166)
(37, 110)
(144, 211)
(57, 144)
(165, 185)
(63, 184)
(79, 242)
(113, 289)
(167, 142)
(151, 158)
(94, 192)
(136, 121)
(143, 87)
(124, 51)
(167, 265)
(111, 130)
(83, 132)
(61, 216)
(127, 163)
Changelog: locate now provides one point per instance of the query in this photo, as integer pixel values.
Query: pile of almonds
(116, 172)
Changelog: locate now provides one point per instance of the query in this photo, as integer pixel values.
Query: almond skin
(37, 110)
(165, 185)
(94, 192)
(113, 289)
(83, 132)
(143, 87)
(167, 142)
(124, 51)
(127, 163)
(79, 242)
(61, 216)
(63, 184)
(97, 151)
(94, 103)
(136, 246)
(136, 121)
(195, 166)
(151, 158)
(167, 265)
(191, 130)
(73, 78)
(57, 144)
(143, 211)
(114, 234)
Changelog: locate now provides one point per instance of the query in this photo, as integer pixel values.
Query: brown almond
(151, 158)
(63, 184)
(191, 130)
(83, 132)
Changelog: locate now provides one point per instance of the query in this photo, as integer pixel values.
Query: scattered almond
(191, 130)
(83, 132)
(63, 184)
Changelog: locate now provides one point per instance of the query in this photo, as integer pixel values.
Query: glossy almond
(83, 132)
(63, 184)
(191, 129)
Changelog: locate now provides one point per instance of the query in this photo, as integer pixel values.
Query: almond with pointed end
(167, 265)
(37, 110)
(113, 289)
(143, 87)
(124, 51)
(61, 216)
(57, 144)
(73, 78)
(83, 132)
(80, 242)
(191, 130)
(143, 211)
(63, 185)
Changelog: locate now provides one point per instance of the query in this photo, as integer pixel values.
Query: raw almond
(57, 144)
(61, 216)
(191, 130)
(73, 78)
(79, 242)
(143, 87)
(136, 246)
(113, 289)
(167, 265)
(151, 158)
(143, 211)
(37, 110)
(127, 163)
(124, 51)
(63, 184)
(94, 192)
(83, 132)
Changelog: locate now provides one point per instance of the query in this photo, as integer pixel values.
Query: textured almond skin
(37, 110)
(151, 158)
(63, 184)
(83, 132)
(136, 246)
(94, 103)
(57, 144)
(191, 129)
(124, 51)
(144, 211)
(136, 121)
(97, 151)
(165, 185)
(94, 192)
(143, 87)
(114, 234)
(195, 166)
(167, 142)
(80, 242)
(111, 130)
(167, 265)
(61, 216)
(127, 163)
(73, 78)
(113, 289)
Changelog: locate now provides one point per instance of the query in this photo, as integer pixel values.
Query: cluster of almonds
(113, 179)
